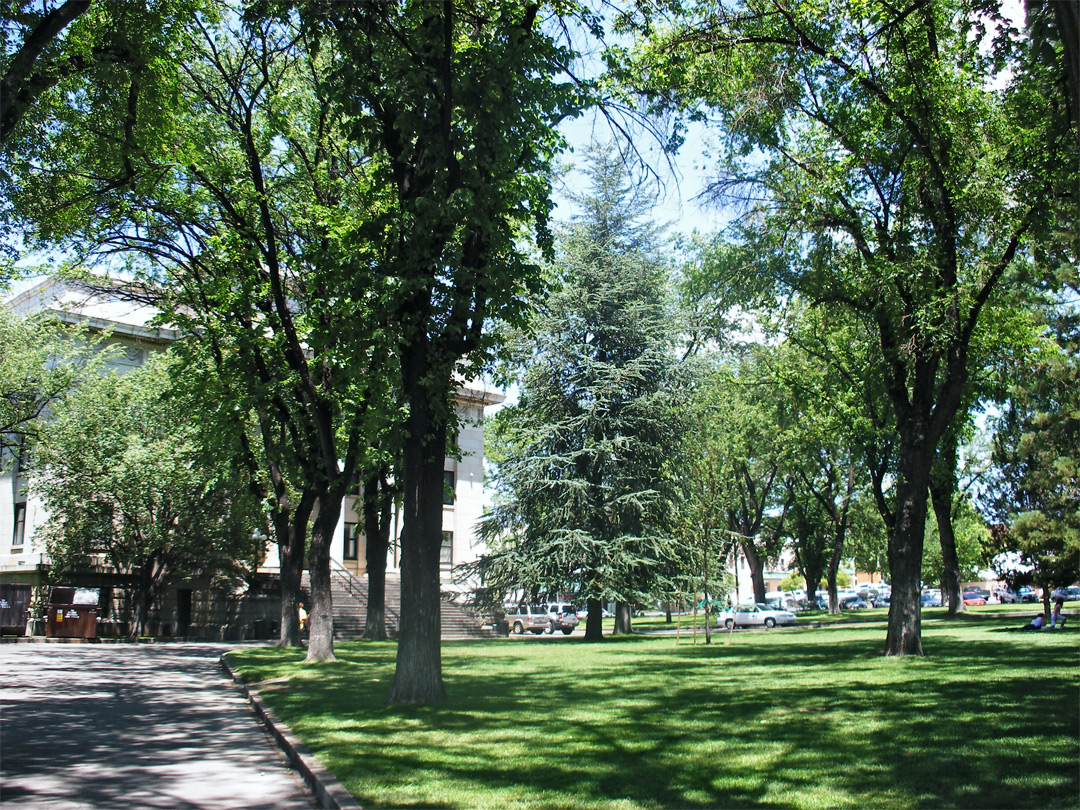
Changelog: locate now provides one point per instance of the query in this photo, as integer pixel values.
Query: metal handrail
(351, 581)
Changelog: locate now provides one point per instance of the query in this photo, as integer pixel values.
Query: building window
(20, 525)
(354, 485)
(352, 541)
(446, 552)
(449, 481)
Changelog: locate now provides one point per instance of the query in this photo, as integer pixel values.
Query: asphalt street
(133, 726)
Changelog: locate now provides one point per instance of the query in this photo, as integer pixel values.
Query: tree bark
(321, 616)
(152, 575)
(942, 497)
(623, 616)
(418, 674)
(292, 542)
(904, 635)
(378, 509)
(594, 623)
(942, 491)
(757, 570)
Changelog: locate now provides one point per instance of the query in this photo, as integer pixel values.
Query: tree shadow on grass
(776, 720)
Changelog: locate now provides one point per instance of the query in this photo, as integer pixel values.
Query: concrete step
(350, 596)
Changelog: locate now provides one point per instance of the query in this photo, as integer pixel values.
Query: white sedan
(755, 616)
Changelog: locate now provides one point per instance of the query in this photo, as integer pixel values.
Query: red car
(974, 599)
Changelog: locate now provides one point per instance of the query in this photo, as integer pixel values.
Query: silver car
(533, 618)
(756, 616)
(562, 616)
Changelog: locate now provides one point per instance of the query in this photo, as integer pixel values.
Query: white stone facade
(465, 478)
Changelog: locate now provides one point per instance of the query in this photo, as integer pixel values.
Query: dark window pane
(352, 544)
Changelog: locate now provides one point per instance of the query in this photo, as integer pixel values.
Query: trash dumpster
(14, 608)
(73, 613)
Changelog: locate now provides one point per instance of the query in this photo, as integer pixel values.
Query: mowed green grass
(799, 718)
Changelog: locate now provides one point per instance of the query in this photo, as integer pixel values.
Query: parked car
(983, 592)
(853, 603)
(973, 598)
(755, 616)
(776, 599)
(563, 617)
(583, 614)
(1007, 596)
(883, 600)
(1069, 594)
(533, 618)
(931, 599)
(1028, 594)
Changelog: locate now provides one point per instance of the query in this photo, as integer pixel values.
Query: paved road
(132, 726)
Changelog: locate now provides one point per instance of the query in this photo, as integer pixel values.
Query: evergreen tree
(583, 498)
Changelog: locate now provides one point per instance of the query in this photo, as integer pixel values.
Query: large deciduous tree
(458, 103)
(245, 207)
(903, 162)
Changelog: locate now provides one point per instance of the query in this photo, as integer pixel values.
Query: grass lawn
(799, 718)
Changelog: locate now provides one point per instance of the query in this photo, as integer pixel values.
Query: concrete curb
(327, 790)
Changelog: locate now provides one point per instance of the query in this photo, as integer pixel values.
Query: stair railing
(352, 583)
(358, 590)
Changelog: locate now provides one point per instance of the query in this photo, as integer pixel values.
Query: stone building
(195, 609)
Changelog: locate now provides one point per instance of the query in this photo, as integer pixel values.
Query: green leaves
(122, 471)
(42, 362)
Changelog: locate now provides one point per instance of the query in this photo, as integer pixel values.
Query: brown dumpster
(73, 613)
(14, 608)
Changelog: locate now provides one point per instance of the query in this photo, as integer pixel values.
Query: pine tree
(583, 500)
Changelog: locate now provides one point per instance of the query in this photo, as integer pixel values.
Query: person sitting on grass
(1056, 616)
(1035, 625)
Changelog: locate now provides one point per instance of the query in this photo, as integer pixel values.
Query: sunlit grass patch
(802, 718)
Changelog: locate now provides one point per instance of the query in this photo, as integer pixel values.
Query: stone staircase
(350, 595)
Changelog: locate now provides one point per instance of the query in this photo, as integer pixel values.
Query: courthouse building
(23, 558)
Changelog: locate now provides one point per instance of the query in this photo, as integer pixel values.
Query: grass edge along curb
(327, 791)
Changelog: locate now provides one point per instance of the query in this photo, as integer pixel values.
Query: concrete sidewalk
(133, 726)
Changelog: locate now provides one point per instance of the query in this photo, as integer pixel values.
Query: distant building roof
(101, 304)
(97, 303)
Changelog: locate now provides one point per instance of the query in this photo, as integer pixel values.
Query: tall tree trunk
(904, 635)
(757, 570)
(942, 497)
(292, 542)
(418, 674)
(623, 616)
(378, 512)
(942, 491)
(834, 600)
(321, 616)
(152, 575)
(594, 623)
(834, 568)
